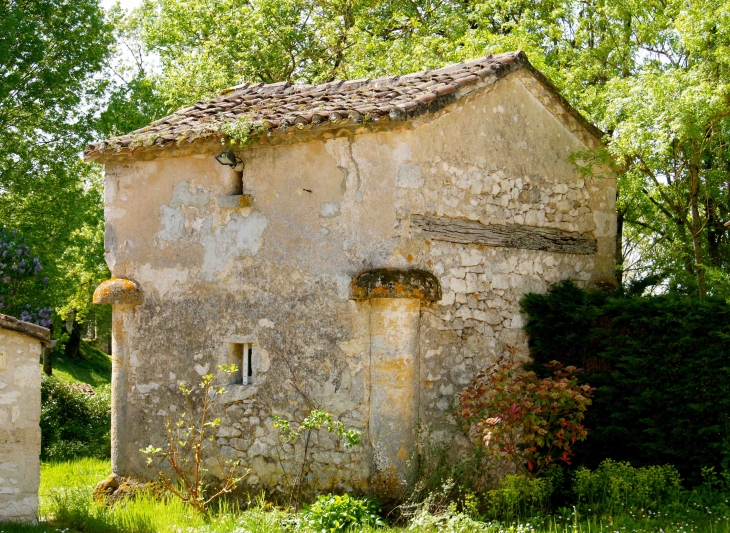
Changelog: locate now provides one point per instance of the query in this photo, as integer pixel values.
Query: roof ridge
(281, 106)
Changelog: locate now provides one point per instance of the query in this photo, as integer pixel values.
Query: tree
(22, 279)
(50, 53)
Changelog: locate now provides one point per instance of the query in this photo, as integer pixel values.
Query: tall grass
(67, 506)
(66, 502)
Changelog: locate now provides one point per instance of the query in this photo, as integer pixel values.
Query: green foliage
(49, 54)
(519, 496)
(450, 521)
(616, 487)
(189, 441)
(66, 491)
(443, 474)
(659, 366)
(74, 423)
(242, 131)
(291, 433)
(315, 420)
(530, 421)
(332, 513)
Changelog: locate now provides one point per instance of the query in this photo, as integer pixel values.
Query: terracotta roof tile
(285, 105)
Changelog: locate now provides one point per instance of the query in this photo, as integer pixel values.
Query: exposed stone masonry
(277, 275)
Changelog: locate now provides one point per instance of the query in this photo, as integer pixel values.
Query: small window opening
(237, 182)
(249, 363)
(241, 355)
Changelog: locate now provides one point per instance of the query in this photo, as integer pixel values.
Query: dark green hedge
(661, 368)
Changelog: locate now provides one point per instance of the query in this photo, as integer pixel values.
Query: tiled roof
(283, 106)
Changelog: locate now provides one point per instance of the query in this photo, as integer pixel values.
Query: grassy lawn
(66, 506)
(93, 367)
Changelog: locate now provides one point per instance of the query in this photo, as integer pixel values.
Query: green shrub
(660, 368)
(528, 421)
(337, 513)
(73, 423)
(614, 487)
(519, 496)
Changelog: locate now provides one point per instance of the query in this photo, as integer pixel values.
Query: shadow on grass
(93, 367)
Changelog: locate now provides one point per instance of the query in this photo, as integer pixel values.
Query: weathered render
(466, 197)
(20, 413)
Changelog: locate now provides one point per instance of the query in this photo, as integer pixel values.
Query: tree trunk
(694, 168)
(71, 350)
(48, 360)
(619, 247)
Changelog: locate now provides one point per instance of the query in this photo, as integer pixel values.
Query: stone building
(363, 252)
(20, 414)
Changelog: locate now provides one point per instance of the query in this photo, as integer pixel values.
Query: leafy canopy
(50, 53)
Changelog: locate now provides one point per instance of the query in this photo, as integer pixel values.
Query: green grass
(93, 367)
(66, 506)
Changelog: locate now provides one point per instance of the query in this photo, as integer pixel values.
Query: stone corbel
(234, 201)
(395, 283)
(395, 315)
(118, 291)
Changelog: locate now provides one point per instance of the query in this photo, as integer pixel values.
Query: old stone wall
(275, 275)
(20, 434)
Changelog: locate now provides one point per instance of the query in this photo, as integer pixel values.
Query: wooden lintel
(506, 236)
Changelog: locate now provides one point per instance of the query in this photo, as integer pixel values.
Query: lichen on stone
(395, 283)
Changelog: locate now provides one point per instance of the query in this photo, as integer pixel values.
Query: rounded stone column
(395, 316)
(123, 294)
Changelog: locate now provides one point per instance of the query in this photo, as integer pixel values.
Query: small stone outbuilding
(20, 413)
(364, 253)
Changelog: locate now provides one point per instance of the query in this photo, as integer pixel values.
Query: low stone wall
(20, 412)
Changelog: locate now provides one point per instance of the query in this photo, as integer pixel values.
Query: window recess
(241, 354)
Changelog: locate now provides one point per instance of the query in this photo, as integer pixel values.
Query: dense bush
(518, 417)
(332, 513)
(661, 367)
(74, 423)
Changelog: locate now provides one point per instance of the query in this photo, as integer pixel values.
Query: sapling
(316, 420)
(188, 440)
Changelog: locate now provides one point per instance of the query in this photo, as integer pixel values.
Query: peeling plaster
(277, 273)
(162, 280)
(409, 177)
(239, 237)
(173, 223)
(329, 209)
(181, 195)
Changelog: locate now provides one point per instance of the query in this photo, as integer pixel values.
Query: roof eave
(25, 328)
(210, 141)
